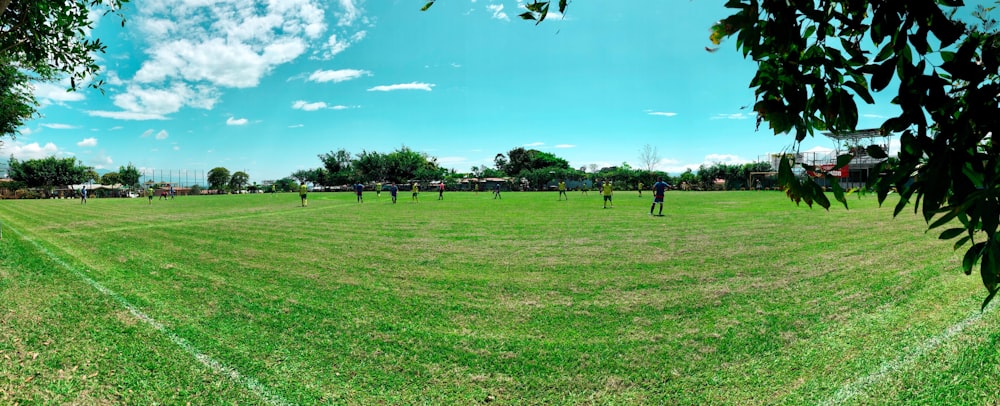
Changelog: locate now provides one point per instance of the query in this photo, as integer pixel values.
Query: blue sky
(265, 86)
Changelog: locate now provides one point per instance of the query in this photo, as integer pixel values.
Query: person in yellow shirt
(606, 191)
(149, 193)
(640, 189)
(416, 190)
(562, 190)
(302, 194)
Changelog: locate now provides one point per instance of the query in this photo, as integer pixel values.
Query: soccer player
(393, 189)
(359, 190)
(378, 189)
(150, 193)
(441, 191)
(83, 195)
(562, 190)
(659, 189)
(606, 190)
(173, 193)
(584, 188)
(416, 190)
(496, 191)
(640, 189)
(302, 193)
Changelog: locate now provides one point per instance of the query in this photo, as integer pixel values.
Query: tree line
(522, 168)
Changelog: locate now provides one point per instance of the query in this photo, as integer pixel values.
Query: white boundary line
(860, 385)
(249, 382)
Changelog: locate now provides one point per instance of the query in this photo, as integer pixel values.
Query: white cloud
(402, 86)
(194, 48)
(337, 76)
(662, 113)
(101, 161)
(350, 13)
(236, 121)
(452, 160)
(87, 142)
(33, 150)
(125, 115)
(177, 148)
(162, 135)
(533, 144)
(151, 103)
(724, 159)
(497, 10)
(147, 133)
(54, 93)
(58, 126)
(734, 116)
(565, 146)
(306, 106)
(296, 126)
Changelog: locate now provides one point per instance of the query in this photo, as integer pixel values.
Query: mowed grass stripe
(77, 344)
(723, 300)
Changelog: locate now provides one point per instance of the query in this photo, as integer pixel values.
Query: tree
(218, 179)
(17, 104)
(302, 175)
(370, 166)
(110, 178)
(238, 180)
(129, 176)
(948, 92)
(284, 184)
(43, 40)
(649, 157)
(48, 173)
(338, 167)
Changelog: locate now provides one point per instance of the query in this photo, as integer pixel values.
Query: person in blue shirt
(659, 189)
(359, 189)
(392, 191)
(83, 195)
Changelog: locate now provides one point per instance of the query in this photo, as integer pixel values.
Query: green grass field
(730, 298)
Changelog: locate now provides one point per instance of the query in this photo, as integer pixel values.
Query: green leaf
(843, 160)
(860, 91)
(527, 15)
(962, 241)
(885, 53)
(988, 271)
(951, 233)
(428, 5)
(971, 257)
(809, 31)
(876, 151)
(948, 216)
(883, 74)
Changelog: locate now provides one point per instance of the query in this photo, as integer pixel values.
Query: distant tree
(500, 162)
(649, 157)
(195, 190)
(302, 175)
(370, 166)
(91, 175)
(320, 176)
(110, 178)
(338, 167)
(405, 164)
(48, 173)
(218, 179)
(238, 180)
(129, 176)
(44, 40)
(285, 184)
